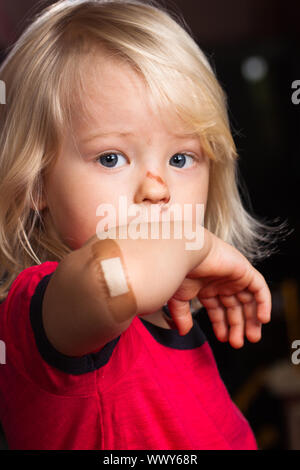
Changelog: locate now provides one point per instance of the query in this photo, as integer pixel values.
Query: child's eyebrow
(105, 134)
(126, 134)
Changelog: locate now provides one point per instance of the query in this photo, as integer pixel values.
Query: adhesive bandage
(114, 276)
(114, 279)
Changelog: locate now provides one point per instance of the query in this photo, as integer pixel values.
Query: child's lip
(164, 207)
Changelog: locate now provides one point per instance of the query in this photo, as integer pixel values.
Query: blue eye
(180, 159)
(109, 160)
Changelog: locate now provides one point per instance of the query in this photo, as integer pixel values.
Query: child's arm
(81, 311)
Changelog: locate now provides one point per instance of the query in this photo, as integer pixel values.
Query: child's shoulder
(27, 289)
(37, 270)
(29, 278)
(31, 356)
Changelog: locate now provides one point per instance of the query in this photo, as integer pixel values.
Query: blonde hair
(43, 73)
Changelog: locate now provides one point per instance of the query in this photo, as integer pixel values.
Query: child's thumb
(179, 305)
(181, 315)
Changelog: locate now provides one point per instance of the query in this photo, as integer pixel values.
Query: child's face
(145, 166)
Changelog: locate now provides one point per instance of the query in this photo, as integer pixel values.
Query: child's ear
(39, 203)
(39, 207)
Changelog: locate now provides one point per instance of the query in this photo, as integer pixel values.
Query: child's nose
(152, 189)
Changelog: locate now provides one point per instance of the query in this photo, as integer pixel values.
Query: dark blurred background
(254, 48)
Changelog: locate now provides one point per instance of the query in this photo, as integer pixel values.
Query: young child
(106, 99)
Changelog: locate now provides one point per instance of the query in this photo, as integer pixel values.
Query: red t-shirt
(149, 388)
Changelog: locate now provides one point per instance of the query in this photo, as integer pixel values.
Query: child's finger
(179, 305)
(262, 296)
(245, 296)
(181, 315)
(187, 290)
(264, 305)
(236, 321)
(219, 323)
(253, 330)
(216, 313)
(253, 325)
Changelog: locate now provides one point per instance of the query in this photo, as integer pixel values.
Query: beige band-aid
(113, 276)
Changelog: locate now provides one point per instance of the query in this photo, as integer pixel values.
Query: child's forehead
(164, 119)
(111, 91)
(111, 115)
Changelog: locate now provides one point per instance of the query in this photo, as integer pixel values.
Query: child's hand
(234, 293)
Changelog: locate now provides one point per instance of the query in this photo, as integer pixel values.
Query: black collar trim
(172, 339)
